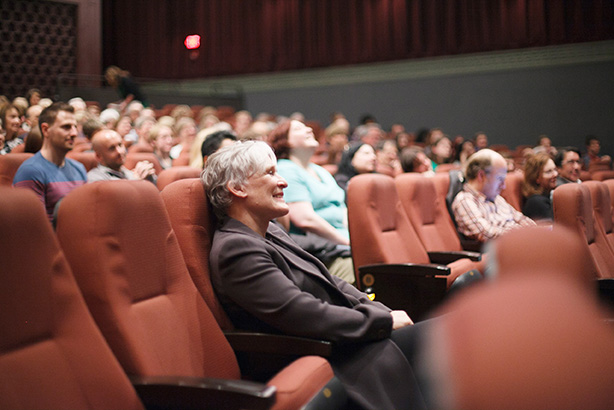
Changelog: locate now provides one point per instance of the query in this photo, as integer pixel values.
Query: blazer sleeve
(250, 277)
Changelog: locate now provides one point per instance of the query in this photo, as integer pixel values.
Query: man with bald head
(480, 212)
(111, 155)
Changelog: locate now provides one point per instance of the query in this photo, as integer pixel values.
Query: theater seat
(573, 208)
(533, 341)
(610, 184)
(602, 207)
(387, 253)
(512, 192)
(173, 174)
(133, 157)
(125, 256)
(9, 164)
(87, 158)
(428, 213)
(52, 355)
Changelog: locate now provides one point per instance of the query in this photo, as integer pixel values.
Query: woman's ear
(236, 190)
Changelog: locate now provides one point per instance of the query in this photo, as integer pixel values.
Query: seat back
(610, 184)
(87, 158)
(496, 346)
(602, 207)
(572, 207)
(427, 212)
(559, 251)
(125, 257)
(9, 164)
(52, 355)
(512, 192)
(602, 175)
(193, 223)
(173, 174)
(380, 231)
(133, 157)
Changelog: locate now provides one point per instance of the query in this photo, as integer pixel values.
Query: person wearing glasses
(568, 165)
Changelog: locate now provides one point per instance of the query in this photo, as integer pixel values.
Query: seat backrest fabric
(380, 232)
(496, 346)
(602, 207)
(125, 257)
(610, 184)
(193, 222)
(512, 192)
(428, 212)
(52, 355)
(132, 158)
(88, 158)
(9, 164)
(572, 207)
(172, 174)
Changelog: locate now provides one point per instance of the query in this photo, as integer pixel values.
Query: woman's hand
(400, 319)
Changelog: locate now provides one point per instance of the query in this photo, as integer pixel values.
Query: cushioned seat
(9, 164)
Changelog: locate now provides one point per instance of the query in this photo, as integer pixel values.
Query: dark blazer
(271, 284)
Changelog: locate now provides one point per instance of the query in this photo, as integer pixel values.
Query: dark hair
(560, 155)
(213, 142)
(278, 140)
(49, 114)
(408, 158)
(345, 165)
(589, 139)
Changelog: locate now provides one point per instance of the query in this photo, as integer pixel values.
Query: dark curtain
(254, 36)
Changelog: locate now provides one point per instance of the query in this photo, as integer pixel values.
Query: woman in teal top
(316, 202)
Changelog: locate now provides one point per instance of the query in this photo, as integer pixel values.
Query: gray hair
(233, 165)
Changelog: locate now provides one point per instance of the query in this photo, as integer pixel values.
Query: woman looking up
(315, 201)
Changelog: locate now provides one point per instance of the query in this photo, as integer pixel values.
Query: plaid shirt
(481, 219)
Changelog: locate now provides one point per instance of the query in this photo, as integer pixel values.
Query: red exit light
(192, 42)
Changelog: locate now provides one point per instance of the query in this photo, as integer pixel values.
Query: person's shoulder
(31, 169)
(76, 166)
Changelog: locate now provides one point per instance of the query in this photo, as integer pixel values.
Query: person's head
(78, 104)
(123, 126)
(185, 128)
(544, 141)
(134, 110)
(11, 120)
(245, 173)
(539, 175)
(413, 159)
(143, 126)
(58, 126)
(33, 96)
(404, 139)
(216, 141)
(113, 74)
(441, 149)
(109, 148)
(359, 158)
(567, 161)
(486, 171)
(386, 151)
(109, 117)
(481, 140)
(90, 126)
(336, 136)
(32, 114)
(161, 137)
(466, 149)
(373, 135)
(593, 145)
(242, 120)
(292, 137)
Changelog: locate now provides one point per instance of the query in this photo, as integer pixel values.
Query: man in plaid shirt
(480, 212)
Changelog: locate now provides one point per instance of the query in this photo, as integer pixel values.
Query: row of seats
(116, 238)
(116, 251)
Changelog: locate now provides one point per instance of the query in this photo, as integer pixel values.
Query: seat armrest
(451, 256)
(412, 269)
(176, 392)
(242, 341)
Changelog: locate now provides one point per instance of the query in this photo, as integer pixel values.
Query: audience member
(539, 180)
(34, 141)
(387, 158)
(141, 131)
(592, 160)
(242, 121)
(480, 212)
(440, 152)
(33, 96)
(125, 85)
(123, 126)
(49, 173)
(111, 155)
(465, 149)
(360, 158)
(336, 140)
(11, 123)
(185, 129)
(404, 140)
(267, 283)
(32, 114)
(109, 117)
(316, 202)
(413, 159)
(544, 144)
(161, 139)
(78, 104)
(214, 142)
(481, 140)
(568, 165)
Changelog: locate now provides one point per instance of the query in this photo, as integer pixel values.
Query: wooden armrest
(278, 344)
(451, 256)
(187, 393)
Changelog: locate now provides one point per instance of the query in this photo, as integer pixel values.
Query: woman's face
(443, 148)
(123, 126)
(264, 192)
(301, 136)
(164, 142)
(35, 98)
(12, 123)
(547, 178)
(364, 160)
